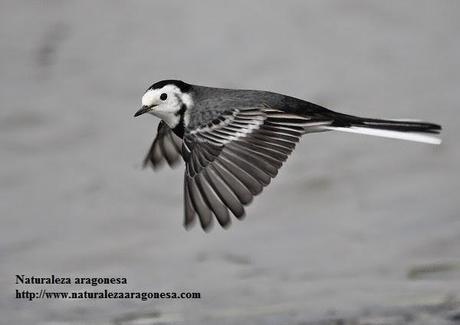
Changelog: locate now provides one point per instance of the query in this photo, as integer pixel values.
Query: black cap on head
(184, 87)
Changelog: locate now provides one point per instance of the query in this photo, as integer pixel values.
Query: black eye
(163, 96)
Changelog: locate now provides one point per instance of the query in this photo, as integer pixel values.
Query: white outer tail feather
(410, 136)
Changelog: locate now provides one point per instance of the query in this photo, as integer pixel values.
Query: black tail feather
(344, 120)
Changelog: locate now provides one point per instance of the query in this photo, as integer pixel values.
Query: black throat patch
(180, 127)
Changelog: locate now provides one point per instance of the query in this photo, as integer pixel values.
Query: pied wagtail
(234, 141)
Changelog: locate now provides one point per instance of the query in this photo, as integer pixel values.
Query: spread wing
(166, 147)
(232, 158)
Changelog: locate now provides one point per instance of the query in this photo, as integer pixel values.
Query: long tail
(411, 130)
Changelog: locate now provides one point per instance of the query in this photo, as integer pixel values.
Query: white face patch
(168, 109)
(149, 98)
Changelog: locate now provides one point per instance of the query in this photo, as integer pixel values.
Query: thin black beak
(143, 110)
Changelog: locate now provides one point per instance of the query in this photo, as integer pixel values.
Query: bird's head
(168, 100)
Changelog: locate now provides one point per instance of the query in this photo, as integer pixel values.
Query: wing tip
(189, 224)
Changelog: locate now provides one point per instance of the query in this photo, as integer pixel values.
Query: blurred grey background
(351, 227)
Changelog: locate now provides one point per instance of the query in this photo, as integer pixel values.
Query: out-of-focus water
(350, 223)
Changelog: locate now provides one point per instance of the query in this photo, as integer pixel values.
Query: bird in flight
(234, 141)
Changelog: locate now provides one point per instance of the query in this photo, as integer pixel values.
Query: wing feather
(224, 192)
(249, 181)
(213, 201)
(166, 147)
(189, 211)
(199, 204)
(237, 187)
(233, 157)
